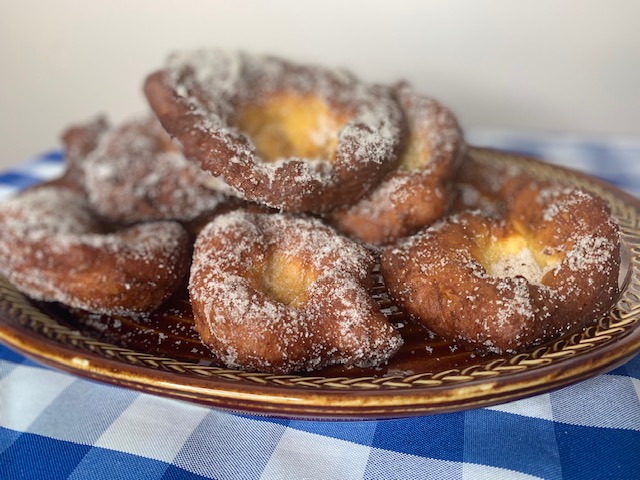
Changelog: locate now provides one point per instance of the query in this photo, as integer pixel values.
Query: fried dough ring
(416, 193)
(276, 293)
(80, 140)
(53, 249)
(483, 185)
(550, 264)
(294, 137)
(136, 173)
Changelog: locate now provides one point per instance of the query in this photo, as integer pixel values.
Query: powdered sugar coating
(196, 97)
(562, 269)
(137, 174)
(53, 249)
(336, 322)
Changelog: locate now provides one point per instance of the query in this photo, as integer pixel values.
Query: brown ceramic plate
(160, 353)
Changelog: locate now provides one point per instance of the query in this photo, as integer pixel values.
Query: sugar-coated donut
(52, 248)
(296, 137)
(481, 184)
(416, 193)
(551, 263)
(79, 140)
(136, 173)
(277, 293)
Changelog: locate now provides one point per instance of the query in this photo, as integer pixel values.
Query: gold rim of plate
(606, 344)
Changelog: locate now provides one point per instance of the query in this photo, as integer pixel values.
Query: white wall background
(571, 65)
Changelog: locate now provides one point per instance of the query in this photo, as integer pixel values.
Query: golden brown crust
(550, 264)
(289, 136)
(279, 293)
(485, 186)
(416, 193)
(53, 248)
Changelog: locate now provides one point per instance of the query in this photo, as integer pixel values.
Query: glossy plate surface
(161, 353)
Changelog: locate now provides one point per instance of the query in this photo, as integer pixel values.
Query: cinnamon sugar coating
(416, 192)
(278, 293)
(549, 264)
(52, 248)
(296, 137)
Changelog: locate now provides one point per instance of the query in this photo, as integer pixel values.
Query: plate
(161, 354)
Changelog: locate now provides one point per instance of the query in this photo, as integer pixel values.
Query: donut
(416, 193)
(79, 140)
(294, 137)
(279, 293)
(53, 249)
(480, 184)
(137, 174)
(549, 264)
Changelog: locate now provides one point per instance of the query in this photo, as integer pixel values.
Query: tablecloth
(54, 425)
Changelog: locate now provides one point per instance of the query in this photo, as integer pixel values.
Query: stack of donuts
(273, 189)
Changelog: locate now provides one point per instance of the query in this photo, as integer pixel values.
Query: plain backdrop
(567, 66)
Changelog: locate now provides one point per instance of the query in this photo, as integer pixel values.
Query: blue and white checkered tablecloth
(54, 425)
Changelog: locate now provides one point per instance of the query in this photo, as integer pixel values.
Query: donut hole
(515, 255)
(286, 125)
(286, 279)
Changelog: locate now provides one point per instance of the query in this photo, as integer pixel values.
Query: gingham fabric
(56, 426)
